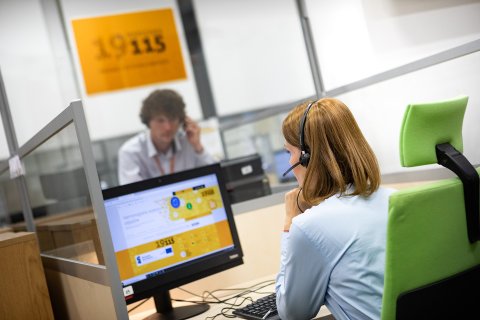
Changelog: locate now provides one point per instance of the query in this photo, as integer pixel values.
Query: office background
(377, 56)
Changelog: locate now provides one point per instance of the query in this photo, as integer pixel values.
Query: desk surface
(262, 287)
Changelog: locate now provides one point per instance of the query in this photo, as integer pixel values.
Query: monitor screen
(171, 230)
(281, 158)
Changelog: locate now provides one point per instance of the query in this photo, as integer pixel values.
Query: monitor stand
(165, 311)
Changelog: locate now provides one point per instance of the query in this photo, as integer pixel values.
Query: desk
(5, 229)
(24, 292)
(70, 231)
(148, 307)
(63, 231)
(21, 226)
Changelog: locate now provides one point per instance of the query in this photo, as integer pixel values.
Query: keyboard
(264, 308)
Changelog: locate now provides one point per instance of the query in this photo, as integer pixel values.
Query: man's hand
(192, 129)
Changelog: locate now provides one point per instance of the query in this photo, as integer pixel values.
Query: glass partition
(60, 200)
(61, 186)
(106, 159)
(263, 137)
(382, 35)
(379, 110)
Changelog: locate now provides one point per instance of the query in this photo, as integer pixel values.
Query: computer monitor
(169, 231)
(281, 164)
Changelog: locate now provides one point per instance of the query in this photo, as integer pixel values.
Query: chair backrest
(430, 262)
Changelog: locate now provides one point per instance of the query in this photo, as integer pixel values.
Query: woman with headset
(333, 244)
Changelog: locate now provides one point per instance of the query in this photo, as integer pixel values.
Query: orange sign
(128, 50)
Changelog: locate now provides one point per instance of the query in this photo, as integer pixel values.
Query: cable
(138, 305)
(239, 298)
(216, 300)
(298, 195)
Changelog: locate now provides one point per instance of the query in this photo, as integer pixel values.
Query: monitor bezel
(193, 270)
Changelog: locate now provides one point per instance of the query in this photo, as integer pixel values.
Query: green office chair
(432, 259)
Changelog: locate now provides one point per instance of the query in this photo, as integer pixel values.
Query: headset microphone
(304, 150)
(291, 168)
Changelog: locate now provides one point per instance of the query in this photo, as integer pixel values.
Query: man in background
(171, 143)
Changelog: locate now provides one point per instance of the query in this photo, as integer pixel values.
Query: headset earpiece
(304, 159)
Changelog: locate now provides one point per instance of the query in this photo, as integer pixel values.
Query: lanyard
(159, 164)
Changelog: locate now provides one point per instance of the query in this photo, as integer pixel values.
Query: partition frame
(310, 48)
(3, 166)
(12, 142)
(103, 275)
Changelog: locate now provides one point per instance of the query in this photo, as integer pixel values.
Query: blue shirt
(136, 158)
(334, 254)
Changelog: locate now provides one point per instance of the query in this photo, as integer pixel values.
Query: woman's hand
(294, 205)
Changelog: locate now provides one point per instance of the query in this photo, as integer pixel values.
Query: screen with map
(171, 230)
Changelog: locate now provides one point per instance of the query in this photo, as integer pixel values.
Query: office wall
(41, 79)
(28, 67)
(358, 38)
(379, 109)
(255, 53)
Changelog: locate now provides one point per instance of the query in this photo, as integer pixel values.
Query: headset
(305, 150)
